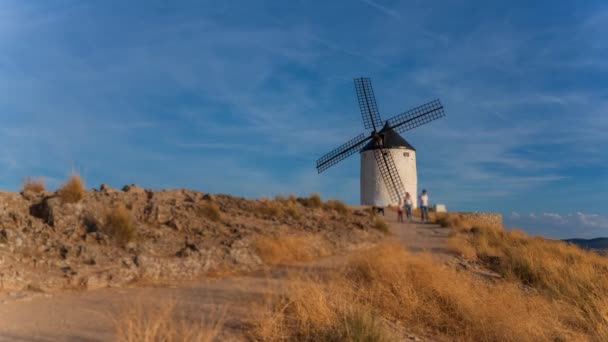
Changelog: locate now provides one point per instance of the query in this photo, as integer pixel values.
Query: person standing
(424, 206)
(408, 206)
(400, 211)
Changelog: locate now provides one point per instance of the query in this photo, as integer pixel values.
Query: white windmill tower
(388, 162)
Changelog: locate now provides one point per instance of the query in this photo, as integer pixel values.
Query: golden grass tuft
(313, 310)
(287, 249)
(119, 225)
(418, 293)
(33, 185)
(381, 225)
(164, 323)
(313, 201)
(73, 189)
(336, 205)
(210, 210)
(559, 271)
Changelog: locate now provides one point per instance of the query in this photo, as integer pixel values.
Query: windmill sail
(344, 151)
(367, 103)
(417, 116)
(390, 175)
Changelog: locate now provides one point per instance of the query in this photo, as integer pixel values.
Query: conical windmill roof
(391, 139)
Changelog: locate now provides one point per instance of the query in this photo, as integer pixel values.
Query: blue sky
(242, 97)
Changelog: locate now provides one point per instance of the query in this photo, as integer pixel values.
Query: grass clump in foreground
(73, 190)
(119, 225)
(164, 323)
(33, 185)
(559, 271)
(420, 294)
(380, 224)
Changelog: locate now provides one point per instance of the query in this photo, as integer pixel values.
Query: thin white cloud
(382, 8)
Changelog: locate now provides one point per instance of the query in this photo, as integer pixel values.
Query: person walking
(400, 211)
(408, 206)
(424, 206)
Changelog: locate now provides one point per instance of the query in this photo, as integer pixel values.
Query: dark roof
(391, 139)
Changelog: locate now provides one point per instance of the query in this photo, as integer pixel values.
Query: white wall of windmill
(374, 191)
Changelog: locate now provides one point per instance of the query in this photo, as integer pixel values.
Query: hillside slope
(117, 237)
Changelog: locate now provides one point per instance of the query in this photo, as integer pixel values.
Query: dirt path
(88, 316)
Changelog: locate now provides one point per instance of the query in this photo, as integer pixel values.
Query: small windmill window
(406, 154)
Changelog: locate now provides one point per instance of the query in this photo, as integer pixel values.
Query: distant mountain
(598, 243)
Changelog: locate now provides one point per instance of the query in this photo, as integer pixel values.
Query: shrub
(210, 210)
(119, 225)
(336, 205)
(73, 190)
(314, 201)
(162, 322)
(380, 224)
(33, 185)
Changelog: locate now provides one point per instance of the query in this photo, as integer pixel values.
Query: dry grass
(559, 271)
(119, 225)
(380, 224)
(289, 249)
(33, 185)
(210, 210)
(419, 293)
(164, 323)
(314, 201)
(73, 189)
(280, 207)
(337, 205)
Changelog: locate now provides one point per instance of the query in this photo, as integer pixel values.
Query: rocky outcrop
(180, 234)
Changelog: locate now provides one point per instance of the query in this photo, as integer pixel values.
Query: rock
(133, 188)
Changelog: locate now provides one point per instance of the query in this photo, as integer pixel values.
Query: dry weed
(73, 189)
(119, 225)
(337, 205)
(33, 185)
(380, 224)
(164, 323)
(210, 210)
(314, 201)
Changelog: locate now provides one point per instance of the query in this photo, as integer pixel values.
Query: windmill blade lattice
(390, 175)
(344, 151)
(417, 116)
(367, 103)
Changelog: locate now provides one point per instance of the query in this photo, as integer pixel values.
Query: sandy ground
(89, 316)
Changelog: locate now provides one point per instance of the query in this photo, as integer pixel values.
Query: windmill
(388, 162)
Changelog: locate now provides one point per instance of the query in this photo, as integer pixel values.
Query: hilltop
(111, 237)
(185, 265)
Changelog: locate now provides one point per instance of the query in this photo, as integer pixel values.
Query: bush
(119, 225)
(380, 224)
(73, 190)
(33, 185)
(314, 201)
(210, 210)
(336, 205)
(163, 322)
